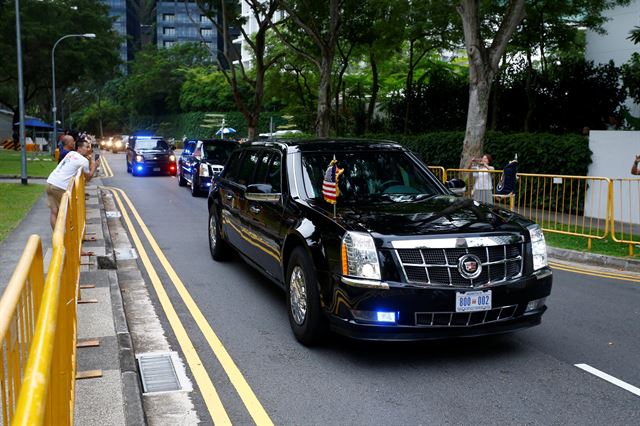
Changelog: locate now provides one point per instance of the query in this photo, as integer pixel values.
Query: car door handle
(229, 196)
(254, 209)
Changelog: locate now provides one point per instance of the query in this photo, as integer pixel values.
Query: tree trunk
(375, 86)
(408, 89)
(323, 120)
(483, 65)
(531, 104)
(252, 127)
(476, 121)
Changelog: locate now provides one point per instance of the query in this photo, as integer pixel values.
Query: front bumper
(429, 313)
(148, 167)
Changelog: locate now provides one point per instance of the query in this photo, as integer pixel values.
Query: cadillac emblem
(470, 266)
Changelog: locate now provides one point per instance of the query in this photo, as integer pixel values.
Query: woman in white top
(482, 181)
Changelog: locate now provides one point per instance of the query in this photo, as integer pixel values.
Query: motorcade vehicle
(119, 144)
(397, 257)
(279, 134)
(150, 154)
(202, 160)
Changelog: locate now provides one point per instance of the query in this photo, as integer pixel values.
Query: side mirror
(262, 192)
(457, 186)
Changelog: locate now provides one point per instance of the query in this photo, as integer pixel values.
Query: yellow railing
(19, 308)
(625, 212)
(44, 318)
(570, 205)
(440, 172)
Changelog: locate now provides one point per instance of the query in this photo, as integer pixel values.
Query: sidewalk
(114, 398)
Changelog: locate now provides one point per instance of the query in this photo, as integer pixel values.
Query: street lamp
(53, 81)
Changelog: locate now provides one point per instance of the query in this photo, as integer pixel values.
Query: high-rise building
(182, 21)
(126, 24)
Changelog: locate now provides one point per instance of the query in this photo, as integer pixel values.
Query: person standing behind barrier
(634, 168)
(59, 179)
(482, 181)
(67, 146)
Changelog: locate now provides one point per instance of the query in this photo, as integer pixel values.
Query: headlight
(109, 143)
(359, 256)
(204, 170)
(118, 144)
(139, 158)
(538, 247)
(172, 158)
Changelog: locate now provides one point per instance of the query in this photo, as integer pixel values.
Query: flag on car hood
(330, 189)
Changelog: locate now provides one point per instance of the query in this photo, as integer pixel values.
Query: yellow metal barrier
(19, 308)
(625, 212)
(570, 205)
(440, 172)
(46, 392)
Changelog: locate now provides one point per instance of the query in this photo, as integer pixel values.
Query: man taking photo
(59, 179)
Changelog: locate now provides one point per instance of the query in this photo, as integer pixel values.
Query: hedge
(190, 124)
(541, 153)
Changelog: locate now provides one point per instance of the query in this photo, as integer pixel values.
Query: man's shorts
(54, 196)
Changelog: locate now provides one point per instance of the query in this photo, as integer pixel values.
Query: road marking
(251, 402)
(604, 376)
(107, 168)
(611, 275)
(209, 393)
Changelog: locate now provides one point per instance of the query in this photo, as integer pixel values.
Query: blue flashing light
(139, 168)
(386, 316)
(143, 133)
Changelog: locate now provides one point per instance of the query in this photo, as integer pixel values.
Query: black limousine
(367, 242)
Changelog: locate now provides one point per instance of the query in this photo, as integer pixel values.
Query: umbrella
(225, 130)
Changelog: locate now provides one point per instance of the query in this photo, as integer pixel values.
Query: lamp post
(53, 82)
(23, 147)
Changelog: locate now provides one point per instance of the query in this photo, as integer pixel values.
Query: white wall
(613, 155)
(614, 44)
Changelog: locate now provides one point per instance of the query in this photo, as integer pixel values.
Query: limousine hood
(437, 215)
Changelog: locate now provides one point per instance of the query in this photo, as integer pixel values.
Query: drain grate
(159, 373)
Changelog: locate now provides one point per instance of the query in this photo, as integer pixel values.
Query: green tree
(157, 74)
(44, 22)
(205, 89)
(225, 14)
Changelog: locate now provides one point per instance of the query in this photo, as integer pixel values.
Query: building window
(169, 31)
(206, 32)
(167, 43)
(168, 17)
(204, 19)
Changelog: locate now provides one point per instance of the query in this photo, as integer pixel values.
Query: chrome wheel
(298, 295)
(213, 226)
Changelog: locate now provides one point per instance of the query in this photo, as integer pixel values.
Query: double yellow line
(209, 393)
(593, 273)
(106, 168)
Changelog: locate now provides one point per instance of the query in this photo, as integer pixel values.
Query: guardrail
(581, 206)
(38, 323)
(625, 212)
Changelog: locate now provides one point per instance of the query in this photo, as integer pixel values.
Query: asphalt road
(528, 377)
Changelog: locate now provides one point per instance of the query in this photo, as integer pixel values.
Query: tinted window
(218, 152)
(369, 176)
(249, 165)
(232, 167)
(274, 175)
(263, 168)
(143, 144)
(188, 148)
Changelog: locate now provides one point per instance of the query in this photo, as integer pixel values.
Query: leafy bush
(537, 152)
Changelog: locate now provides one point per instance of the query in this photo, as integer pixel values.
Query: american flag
(330, 189)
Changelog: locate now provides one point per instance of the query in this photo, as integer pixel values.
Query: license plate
(156, 169)
(473, 301)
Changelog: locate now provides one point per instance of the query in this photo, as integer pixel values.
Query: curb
(131, 391)
(632, 265)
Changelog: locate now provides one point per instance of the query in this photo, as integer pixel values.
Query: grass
(605, 246)
(15, 201)
(38, 164)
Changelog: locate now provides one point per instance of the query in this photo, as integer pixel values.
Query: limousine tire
(303, 300)
(217, 246)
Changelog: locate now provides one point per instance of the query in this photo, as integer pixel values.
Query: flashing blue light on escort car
(374, 316)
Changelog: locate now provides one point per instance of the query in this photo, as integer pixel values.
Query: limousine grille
(434, 266)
